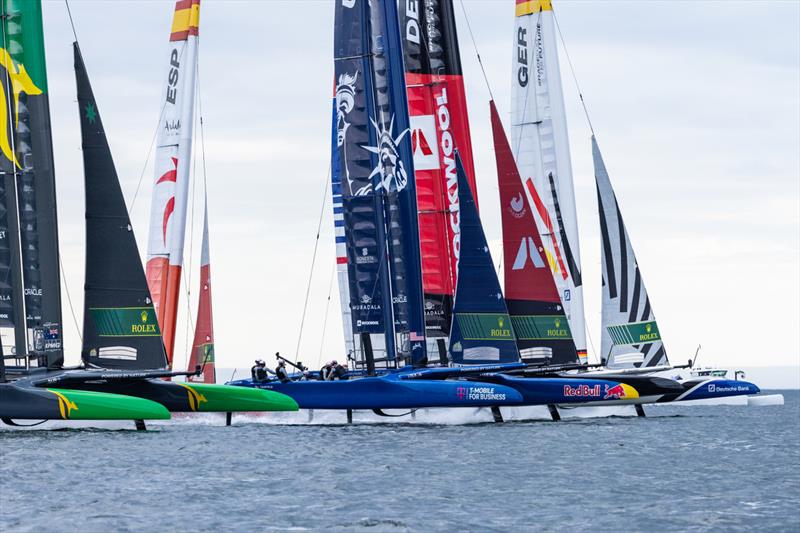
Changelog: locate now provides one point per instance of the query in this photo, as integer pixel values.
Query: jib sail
(540, 146)
(203, 346)
(439, 125)
(482, 328)
(540, 325)
(373, 178)
(120, 328)
(30, 299)
(172, 169)
(629, 325)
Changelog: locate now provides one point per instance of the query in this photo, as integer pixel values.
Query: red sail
(203, 346)
(531, 294)
(439, 126)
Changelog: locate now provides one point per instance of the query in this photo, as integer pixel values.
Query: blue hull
(389, 392)
(542, 391)
(716, 388)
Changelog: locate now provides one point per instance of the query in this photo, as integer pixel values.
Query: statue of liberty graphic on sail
(390, 168)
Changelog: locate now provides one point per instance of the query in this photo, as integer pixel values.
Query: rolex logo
(558, 322)
(500, 322)
(144, 316)
(648, 327)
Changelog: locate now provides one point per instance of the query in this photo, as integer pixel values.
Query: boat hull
(25, 402)
(577, 390)
(704, 389)
(388, 392)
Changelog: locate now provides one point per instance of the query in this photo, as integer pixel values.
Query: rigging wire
(475, 46)
(572, 71)
(69, 298)
(325, 320)
(71, 22)
(313, 261)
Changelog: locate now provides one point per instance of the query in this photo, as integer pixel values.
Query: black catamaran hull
(174, 396)
(21, 400)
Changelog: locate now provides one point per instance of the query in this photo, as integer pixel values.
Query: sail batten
(629, 325)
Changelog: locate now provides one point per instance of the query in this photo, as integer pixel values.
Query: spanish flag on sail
(186, 20)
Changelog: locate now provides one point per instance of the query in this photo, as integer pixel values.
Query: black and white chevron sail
(629, 326)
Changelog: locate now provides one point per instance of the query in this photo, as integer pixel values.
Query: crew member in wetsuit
(281, 373)
(259, 371)
(326, 373)
(338, 371)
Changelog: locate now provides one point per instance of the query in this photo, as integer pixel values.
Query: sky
(696, 106)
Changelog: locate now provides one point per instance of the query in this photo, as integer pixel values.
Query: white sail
(630, 332)
(541, 149)
(172, 168)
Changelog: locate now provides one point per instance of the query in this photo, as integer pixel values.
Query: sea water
(701, 468)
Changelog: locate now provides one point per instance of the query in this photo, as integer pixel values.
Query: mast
(30, 298)
(439, 126)
(540, 324)
(203, 346)
(172, 169)
(540, 145)
(482, 329)
(373, 179)
(629, 324)
(120, 327)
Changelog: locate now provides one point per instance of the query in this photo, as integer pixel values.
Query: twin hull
(392, 392)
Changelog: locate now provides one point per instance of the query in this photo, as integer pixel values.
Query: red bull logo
(620, 391)
(583, 391)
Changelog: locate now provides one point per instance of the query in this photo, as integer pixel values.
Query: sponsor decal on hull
(479, 393)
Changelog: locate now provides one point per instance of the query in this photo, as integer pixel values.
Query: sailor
(259, 371)
(281, 373)
(326, 373)
(339, 371)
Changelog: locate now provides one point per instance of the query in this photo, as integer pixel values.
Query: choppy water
(731, 468)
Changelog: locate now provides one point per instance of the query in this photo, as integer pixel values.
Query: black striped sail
(29, 266)
(120, 327)
(629, 325)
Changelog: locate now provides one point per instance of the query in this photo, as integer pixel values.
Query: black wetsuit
(339, 372)
(283, 376)
(259, 373)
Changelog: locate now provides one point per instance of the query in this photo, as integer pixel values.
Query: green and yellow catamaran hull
(33, 403)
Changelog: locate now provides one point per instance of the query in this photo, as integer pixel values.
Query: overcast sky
(696, 107)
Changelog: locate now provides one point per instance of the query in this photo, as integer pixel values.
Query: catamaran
(123, 354)
(387, 305)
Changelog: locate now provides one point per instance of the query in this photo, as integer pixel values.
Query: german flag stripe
(526, 7)
(186, 20)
